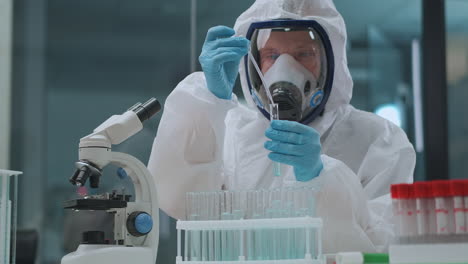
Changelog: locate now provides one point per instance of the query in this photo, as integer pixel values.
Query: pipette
(274, 108)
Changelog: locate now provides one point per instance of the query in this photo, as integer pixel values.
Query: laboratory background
(66, 66)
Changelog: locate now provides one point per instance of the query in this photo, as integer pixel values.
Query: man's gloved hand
(297, 145)
(220, 58)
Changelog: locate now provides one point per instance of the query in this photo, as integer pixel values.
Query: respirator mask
(290, 63)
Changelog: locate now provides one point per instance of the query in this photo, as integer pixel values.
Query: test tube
(204, 233)
(457, 192)
(195, 245)
(408, 209)
(432, 229)
(311, 203)
(186, 246)
(402, 193)
(258, 234)
(237, 214)
(396, 206)
(225, 239)
(440, 191)
(274, 115)
(465, 194)
(188, 205)
(276, 233)
(217, 233)
(248, 233)
(411, 212)
(213, 203)
(421, 190)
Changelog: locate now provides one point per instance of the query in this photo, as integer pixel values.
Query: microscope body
(136, 228)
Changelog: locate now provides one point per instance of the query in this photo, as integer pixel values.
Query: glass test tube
(274, 115)
(258, 234)
(186, 246)
(224, 239)
(217, 234)
(204, 196)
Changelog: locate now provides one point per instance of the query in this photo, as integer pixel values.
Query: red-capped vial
(457, 191)
(465, 198)
(403, 191)
(441, 192)
(431, 207)
(394, 191)
(422, 189)
(441, 188)
(397, 206)
(423, 210)
(411, 211)
(408, 208)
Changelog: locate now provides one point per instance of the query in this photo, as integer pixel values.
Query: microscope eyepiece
(146, 110)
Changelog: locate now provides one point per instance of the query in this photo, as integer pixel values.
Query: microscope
(135, 226)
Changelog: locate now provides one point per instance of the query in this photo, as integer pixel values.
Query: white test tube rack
(8, 215)
(306, 224)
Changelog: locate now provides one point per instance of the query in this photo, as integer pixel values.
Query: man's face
(298, 44)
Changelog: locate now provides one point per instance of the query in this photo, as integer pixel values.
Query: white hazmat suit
(205, 143)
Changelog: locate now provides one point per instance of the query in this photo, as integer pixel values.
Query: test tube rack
(431, 212)
(250, 241)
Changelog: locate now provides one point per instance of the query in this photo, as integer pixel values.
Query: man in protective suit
(208, 141)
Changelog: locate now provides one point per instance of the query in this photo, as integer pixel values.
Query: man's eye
(273, 56)
(306, 54)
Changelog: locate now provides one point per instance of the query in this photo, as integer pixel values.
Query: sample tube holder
(239, 236)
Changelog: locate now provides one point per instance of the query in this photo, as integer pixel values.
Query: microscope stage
(94, 204)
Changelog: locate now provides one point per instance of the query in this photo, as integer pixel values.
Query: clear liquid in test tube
(274, 115)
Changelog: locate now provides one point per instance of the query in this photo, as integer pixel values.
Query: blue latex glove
(297, 145)
(220, 58)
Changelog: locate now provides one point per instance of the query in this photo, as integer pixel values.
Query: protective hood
(325, 13)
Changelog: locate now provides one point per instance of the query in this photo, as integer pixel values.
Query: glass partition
(384, 59)
(87, 61)
(457, 85)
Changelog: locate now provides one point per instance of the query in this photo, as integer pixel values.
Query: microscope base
(109, 254)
